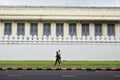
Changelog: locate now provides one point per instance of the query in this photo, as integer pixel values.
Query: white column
(53, 29)
(14, 28)
(27, 29)
(104, 29)
(92, 30)
(1, 29)
(40, 29)
(66, 29)
(117, 29)
(79, 29)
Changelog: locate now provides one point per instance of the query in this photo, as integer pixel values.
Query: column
(53, 29)
(1, 29)
(66, 29)
(79, 29)
(14, 28)
(92, 30)
(117, 29)
(27, 29)
(40, 29)
(104, 29)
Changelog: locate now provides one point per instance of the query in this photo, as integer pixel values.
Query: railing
(50, 40)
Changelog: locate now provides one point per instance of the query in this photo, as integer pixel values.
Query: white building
(81, 33)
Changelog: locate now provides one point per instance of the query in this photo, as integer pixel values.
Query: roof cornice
(104, 7)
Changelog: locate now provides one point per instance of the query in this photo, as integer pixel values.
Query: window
(85, 29)
(47, 29)
(8, 29)
(20, 29)
(72, 29)
(111, 29)
(33, 29)
(59, 29)
(98, 29)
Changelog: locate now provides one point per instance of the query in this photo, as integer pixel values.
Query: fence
(58, 40)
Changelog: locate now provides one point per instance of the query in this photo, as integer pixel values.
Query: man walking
(57, 58)
(59, 55)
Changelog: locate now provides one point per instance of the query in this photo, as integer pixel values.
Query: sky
(60, 2)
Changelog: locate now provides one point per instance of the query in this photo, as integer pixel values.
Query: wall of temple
(68, 52)
(77, 43)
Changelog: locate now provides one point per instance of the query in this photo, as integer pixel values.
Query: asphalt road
(58, 75)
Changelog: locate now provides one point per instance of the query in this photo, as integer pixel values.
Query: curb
(39, 69)
(98, 69)
(117, 69)
(68, 68)
(19, 69)
(58, 69)
(29, 68)
(48, 68)
(80, 69)
(88, 69)
(9, 68)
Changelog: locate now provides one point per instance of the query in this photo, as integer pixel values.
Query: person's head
(58, 50)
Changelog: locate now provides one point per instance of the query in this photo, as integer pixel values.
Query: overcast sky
(61, 2)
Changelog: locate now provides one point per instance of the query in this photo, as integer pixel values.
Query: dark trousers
(57, 61)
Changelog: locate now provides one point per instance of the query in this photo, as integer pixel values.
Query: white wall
(69, 52)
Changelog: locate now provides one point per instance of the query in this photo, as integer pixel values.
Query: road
(58, 75)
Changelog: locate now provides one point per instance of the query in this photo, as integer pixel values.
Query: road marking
(14, 75)
(117, 76)
(68, 75)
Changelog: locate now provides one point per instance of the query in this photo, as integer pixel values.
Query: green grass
(65, 64)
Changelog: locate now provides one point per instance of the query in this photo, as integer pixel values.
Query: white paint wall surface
(68, 52)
